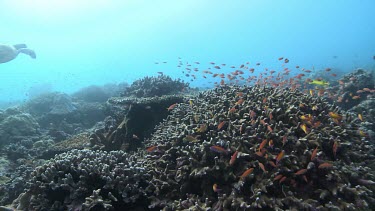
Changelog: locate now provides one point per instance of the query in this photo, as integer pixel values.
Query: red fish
(280, 156)
(325, 165)
(279, 176)
(221, 125)
(262, 167)
(218, 149)
(314, 153)
(215, 188)
(300, 172)
(246, 173)
(335, 147)
(233, 158)
(171, 107)
(151, 149)
(263, 144)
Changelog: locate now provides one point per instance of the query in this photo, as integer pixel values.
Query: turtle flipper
(19, 46)
(29, 52)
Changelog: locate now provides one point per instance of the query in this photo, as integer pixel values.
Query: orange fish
(262, 167)
(270, 143)
(151, 149)
(280, 156)
(171, 107)
(300, 172)
(246, 173)
(325, 165)
(314, 153)
(221, 125)
(215, 188)
(263, 144)
(277, 177)
(334, 148)
(272, 163)
(240, 101)
(233, 158)
(282, 179)
(232, 110)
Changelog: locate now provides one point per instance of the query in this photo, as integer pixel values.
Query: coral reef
(260, 148)
(230, 148)
(354, 87)
(102, 179)
(15, 125)
(155, 86)
(140, 115)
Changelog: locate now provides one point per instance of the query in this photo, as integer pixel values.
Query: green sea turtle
(9, 52)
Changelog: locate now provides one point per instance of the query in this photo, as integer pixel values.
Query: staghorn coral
(72, 178)
(312, 156)
(155, 86)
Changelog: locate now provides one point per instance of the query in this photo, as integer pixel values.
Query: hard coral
(262, 148)
(155, 86)
(69, 178)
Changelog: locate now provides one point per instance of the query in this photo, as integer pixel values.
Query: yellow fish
(319, 83)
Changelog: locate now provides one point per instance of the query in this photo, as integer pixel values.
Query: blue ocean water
(82, 43)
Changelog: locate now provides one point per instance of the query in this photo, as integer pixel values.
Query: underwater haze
(80, 43)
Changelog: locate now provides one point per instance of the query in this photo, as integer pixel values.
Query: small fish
(246, 173)
(270, 143)
(217, 67)
(190, 138)
(335, 115)
(151, 149)
(272, 163)
(335, 147)
(240, 101)
(304, 178)
(282, 179)
(286, 60)
(191, 103)
(233, 158)
(280, 156)
(325, 165)
(263, 144)
(171, 107)
(362, 134)
(304, 128)
(215, 188)
(218, 149)
(261, 166)
(202, 128)
(135, 137)
(221, 125)
(314, 153)
(281, 58)
(319, 82)
(328, 69)
(311, 92)
(277, 177)
(285, 139)
(300, 172)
